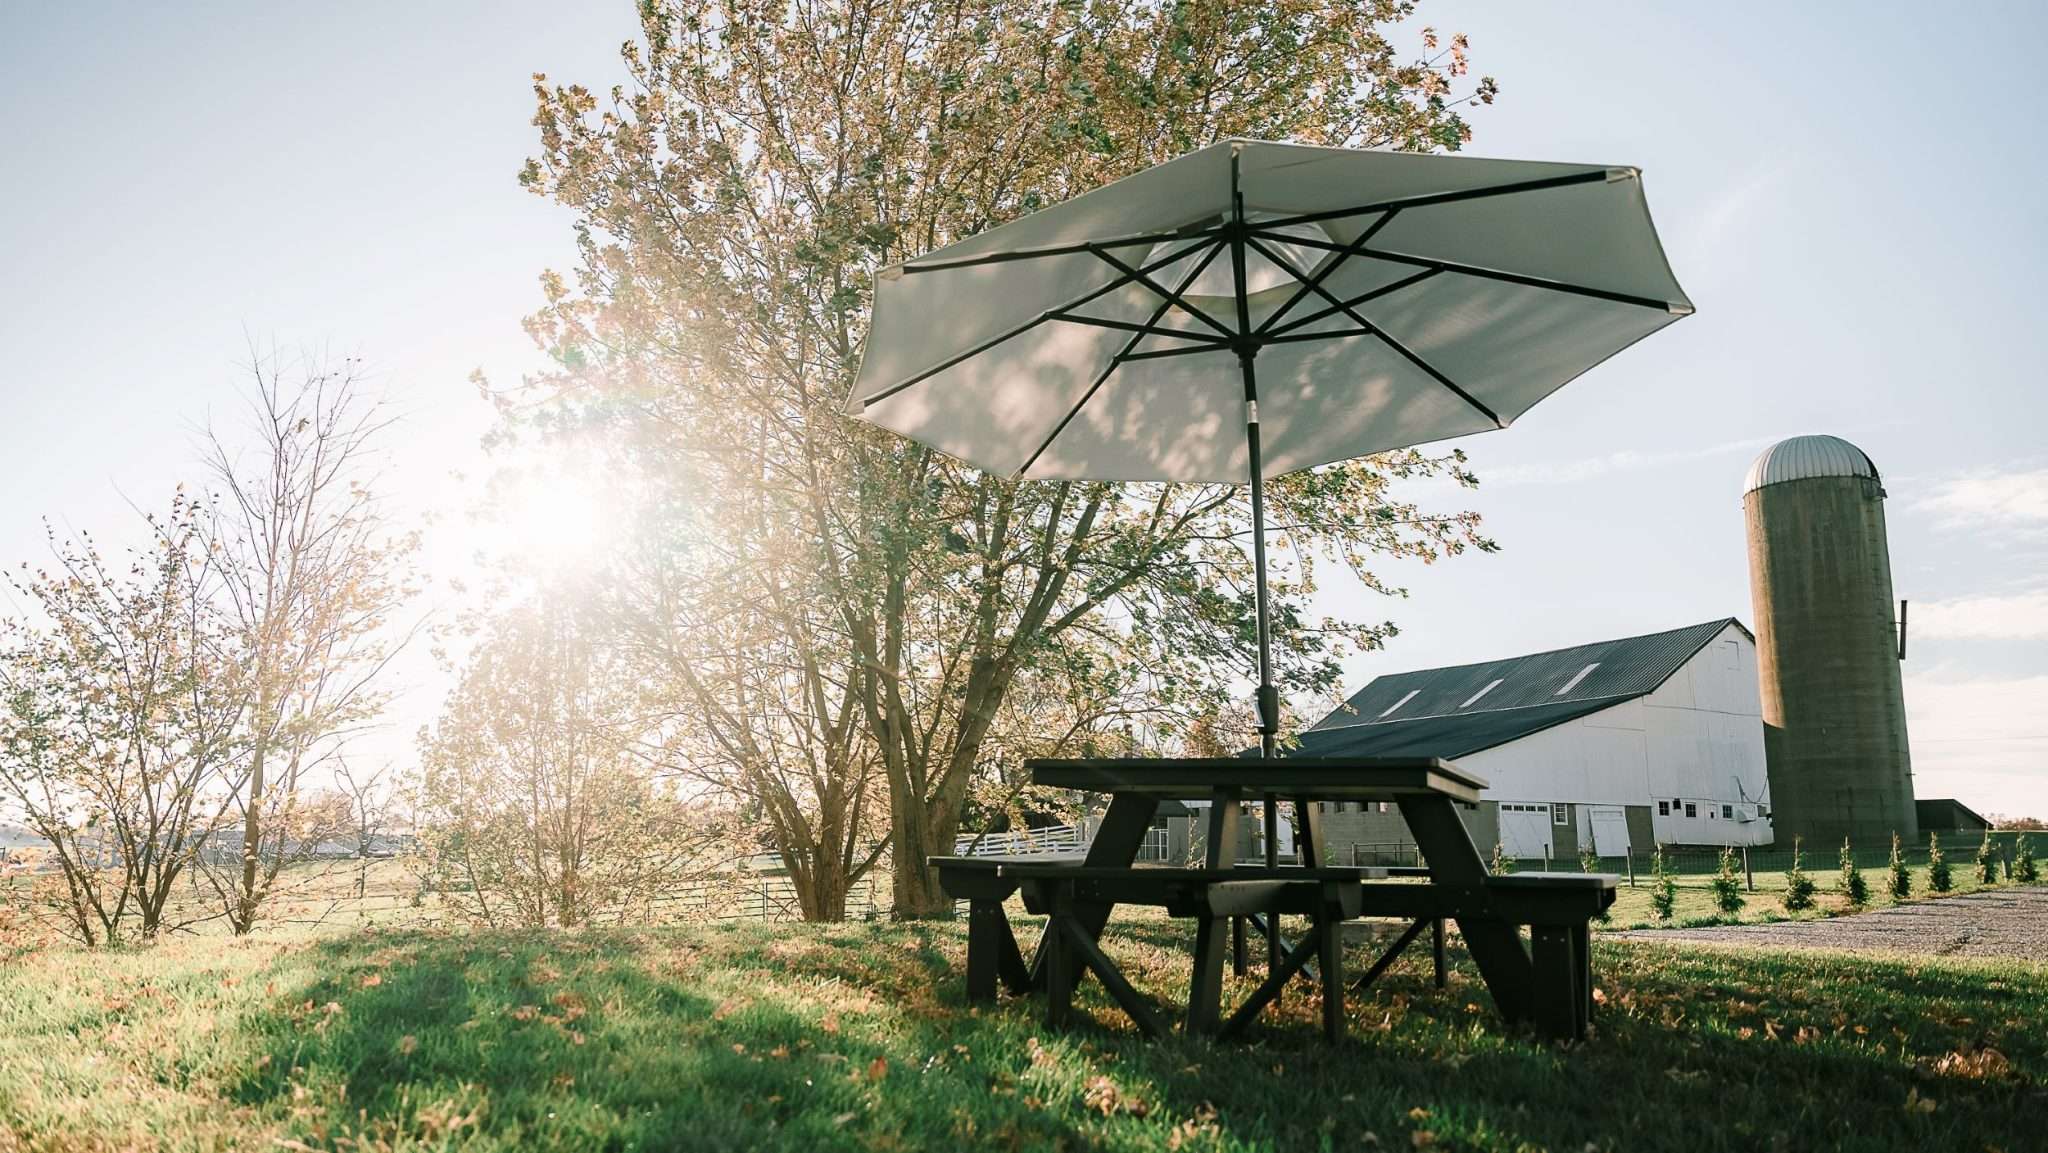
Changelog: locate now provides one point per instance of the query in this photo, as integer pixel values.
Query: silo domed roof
(1805, 457)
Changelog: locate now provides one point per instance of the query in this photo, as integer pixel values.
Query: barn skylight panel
(1397, 704)
(1574, 682)
(1474, 698)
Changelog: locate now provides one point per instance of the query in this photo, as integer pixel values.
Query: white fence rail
(1053, 839)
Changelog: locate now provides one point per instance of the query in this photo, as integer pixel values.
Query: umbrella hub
(1268, 284)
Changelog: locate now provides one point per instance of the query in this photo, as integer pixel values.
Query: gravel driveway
(1991, 923)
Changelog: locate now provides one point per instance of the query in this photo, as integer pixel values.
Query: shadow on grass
(858, 1037)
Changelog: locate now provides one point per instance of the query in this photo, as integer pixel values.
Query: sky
(1845, 191)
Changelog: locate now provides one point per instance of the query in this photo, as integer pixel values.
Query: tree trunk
(920, 835)
(252, 837)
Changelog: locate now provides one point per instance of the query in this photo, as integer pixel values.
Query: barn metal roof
(1447, 737)
(1451, 712)
(1805, 457)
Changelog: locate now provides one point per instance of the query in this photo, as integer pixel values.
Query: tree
(1898, 880)
(312, 574)
(1663, 886)
(369, 802)
(2023, 868)
(1799, 886)
(1987, 861)
(123, 702)
(735, 201)
(1853, 888)
(1727, 883)
(1938, 878)
(535, 808)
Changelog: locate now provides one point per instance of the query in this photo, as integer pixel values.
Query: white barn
(1615, 746)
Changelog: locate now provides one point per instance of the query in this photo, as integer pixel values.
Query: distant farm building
(1946, 815)
(1615, 746)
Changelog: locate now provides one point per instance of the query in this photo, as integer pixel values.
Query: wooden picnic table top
(1317, 778)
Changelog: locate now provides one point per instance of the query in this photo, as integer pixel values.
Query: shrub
(1502, 864)
(1799, 886)
(1852, 887)
(2023, 867)
(1728, 882)
(1900, 882)
(1589, 862)
(1987, 861)
(1937, 865)
(1663, 887)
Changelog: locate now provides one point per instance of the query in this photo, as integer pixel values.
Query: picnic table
(1546, 981)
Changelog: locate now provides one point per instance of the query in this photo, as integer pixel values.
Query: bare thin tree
(313, 574)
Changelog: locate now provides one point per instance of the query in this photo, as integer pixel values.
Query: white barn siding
(1697, 739)
(1705, 744)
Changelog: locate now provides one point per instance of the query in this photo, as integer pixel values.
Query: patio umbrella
(1251, 309)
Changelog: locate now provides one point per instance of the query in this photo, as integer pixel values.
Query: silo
(1827, 646)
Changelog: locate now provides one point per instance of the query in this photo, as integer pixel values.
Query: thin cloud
(2015, 616)
(1591, 467)
(2013, 498)
(1983, 740)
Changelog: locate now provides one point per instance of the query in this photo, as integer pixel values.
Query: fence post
(1630, 854)
(1746, 870)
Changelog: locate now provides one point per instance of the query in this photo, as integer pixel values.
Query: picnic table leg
(1558, 999)
(1309, 817)
(1272, 925)
(1054, 953)
(1455, 863)
(1437, 942)
(1237, 965)
(1205, 987)
(1582, 968)
(1330, 929)
(1117, 841)
(985, 925)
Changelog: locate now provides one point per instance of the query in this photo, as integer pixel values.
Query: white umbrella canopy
(1389, 300)
(1251, 309)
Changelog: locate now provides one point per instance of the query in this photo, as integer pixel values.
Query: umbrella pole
(1269, 696)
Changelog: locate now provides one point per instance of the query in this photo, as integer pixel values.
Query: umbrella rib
(1476, 270)
(1060, 250)
(1034, 322)
(1173, 298)
(1517, 278)
(1134, 327)
(1185, 350)
(1434, 198)
(1409, 354)
(1356, 246)
(1296, 337)
(1117, 360)
(1281, 332)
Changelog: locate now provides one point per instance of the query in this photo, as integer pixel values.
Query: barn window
(1402, 701)
(1560, 814)
(1474, 698)
(1576, 678)
(1663, 808)
(1692, 810)
(1727, 812)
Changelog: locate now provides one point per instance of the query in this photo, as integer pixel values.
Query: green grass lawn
(753, 1036)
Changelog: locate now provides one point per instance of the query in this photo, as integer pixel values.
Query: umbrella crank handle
(1269, 709)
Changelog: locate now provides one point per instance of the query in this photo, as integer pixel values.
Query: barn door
(1610, 830)
(1524, 829)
